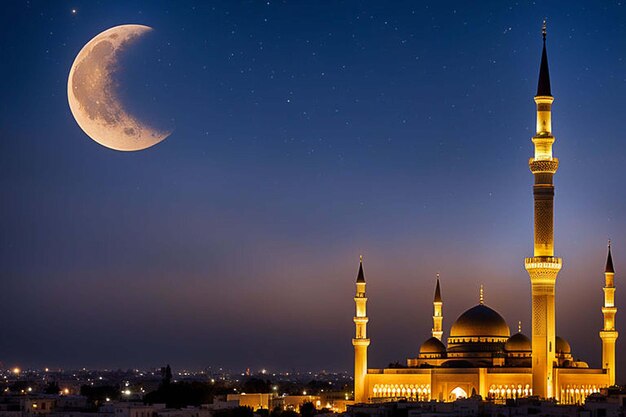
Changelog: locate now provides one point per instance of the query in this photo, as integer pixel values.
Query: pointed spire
(609, 261)
(437, 291)
(481, 295)
(543, 87)
(361, 276)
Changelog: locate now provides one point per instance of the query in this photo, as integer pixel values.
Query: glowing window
(458, 392)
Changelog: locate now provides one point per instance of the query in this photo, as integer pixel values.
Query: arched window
(458, 392)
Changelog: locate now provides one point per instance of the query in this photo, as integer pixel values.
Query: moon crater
(93, 98)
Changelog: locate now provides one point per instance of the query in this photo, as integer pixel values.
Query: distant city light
(17, 371)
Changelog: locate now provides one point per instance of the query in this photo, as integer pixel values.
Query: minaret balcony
(543, 262)
(609, 335)
(538, 166)
(360, 342)
(543, 271)
(610, 310)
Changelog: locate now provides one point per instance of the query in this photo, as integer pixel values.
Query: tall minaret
(608, 334)
(543, 267)
(360, 341)
(437, 313)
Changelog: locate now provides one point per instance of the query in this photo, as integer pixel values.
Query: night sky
(304, 134)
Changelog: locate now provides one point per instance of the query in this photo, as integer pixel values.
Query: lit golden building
(480, 355)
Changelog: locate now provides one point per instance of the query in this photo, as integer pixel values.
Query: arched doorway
(457, 393)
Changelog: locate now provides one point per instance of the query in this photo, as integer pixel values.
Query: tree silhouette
(256, 385)
(98, 395)
(166, 373)
(307, 409)
(52, 388)
(181, 394)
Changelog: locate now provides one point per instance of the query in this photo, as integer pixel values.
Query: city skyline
(303, 137)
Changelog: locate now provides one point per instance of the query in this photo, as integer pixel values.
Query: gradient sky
(305, 133)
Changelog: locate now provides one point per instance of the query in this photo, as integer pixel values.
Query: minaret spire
(360, 341)
(609, 261)
(543, 86)
(360, 276)
(543, 267)
(437, 298)
(437, 330)
(608, 334)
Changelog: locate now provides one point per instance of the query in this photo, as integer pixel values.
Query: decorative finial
(544, 28)
(481, 297)
(361, 258)
(519, 326)
(437, 275)
(609, 245)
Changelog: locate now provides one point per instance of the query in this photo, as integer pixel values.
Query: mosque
(480, 356)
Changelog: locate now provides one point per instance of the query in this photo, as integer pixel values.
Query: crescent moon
(92, 97)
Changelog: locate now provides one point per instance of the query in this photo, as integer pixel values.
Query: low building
(133, 409)
(260, 401)
(33, 406)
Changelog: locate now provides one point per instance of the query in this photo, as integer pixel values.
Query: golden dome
(519, 342)
(480, 321)
(432, 346)
(562, 346)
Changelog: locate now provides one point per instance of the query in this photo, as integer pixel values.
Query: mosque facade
(480, 356)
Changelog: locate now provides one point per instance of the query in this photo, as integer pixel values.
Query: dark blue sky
(305, 134)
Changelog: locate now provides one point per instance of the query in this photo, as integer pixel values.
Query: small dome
(432, 346)
(519, 342)
(562, 346)
(480, 321)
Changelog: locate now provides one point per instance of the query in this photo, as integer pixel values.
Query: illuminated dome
(480, 321)
(519, 342)
(432, 346)
(562, 346)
